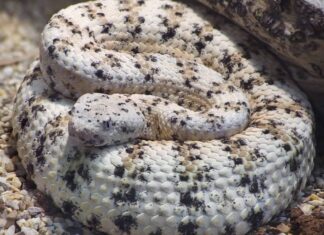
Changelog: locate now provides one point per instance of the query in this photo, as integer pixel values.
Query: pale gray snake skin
(155, 117)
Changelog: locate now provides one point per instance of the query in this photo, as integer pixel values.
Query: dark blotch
(187, 200)
(238, 161)
(83, 171)
(229, 229)
(287, 147)
(119, 171)
(187, 228)
(30, 169)
(69, 207)
(128, 196)
(170, 33)
(39, 151)
(93, 222)
(255, 219)
(106, 28)
(51, 50)
(129, 150)
(125, 223)
(227, 149)
(254, 187)
(293, 165)
(157, 232)
(245, 180)
(23, 119)
(246, 85)
(69, 178)
(200, 46)
(184, 177)
(100, 73)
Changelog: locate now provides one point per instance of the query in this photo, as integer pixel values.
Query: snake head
(99, 120)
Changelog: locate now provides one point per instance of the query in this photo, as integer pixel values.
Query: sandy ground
(23, 209)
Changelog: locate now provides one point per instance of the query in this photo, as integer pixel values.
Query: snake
(161, 117)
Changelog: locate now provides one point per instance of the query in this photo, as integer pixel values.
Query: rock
(321, 194)
(283, 228)
(307, 224)
(4, 184)
(317, 202)
(34, 211)
(3, 223)
(21, 223)
(14, 204)
(31, 223)
(12, 214)
(14, 181)
(10, 230)
(9, 166)
(8, 71)
(2, 170)
(306, 208)
(29, 231)
(5, 161)
(23, 215)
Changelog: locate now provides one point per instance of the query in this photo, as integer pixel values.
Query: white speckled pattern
(219, 139)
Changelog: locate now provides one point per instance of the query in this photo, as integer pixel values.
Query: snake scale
(149, 117)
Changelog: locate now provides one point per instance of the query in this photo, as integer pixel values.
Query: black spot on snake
(24, 121)
(119, 171)
(69, 207)
(69, 178)
(170, 33)
(157, 232)
(51, 50)
(94, 221)
(125, 223)
(187, 228)
(189, 201)
(255, 218)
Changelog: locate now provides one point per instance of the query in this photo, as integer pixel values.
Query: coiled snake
(146, 117)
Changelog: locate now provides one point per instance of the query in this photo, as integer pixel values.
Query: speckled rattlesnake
(146, 117)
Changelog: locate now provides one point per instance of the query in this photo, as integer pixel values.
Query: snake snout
(99, 120)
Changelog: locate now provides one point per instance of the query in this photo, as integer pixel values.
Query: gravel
(25, 210)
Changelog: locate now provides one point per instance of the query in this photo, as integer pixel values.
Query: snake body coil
(145, 117)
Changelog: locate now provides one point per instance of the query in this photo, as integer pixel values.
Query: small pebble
(7, 71)
(12, 214)
(23, 215)
(9, 166)
(33, 211)
(10, 230)
(29, 231)
(306, 208)
(3, 222)
(14, 204)
(283, 228)
(321, 194)
(14, 181)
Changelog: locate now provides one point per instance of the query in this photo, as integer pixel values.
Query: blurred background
(21, 22)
